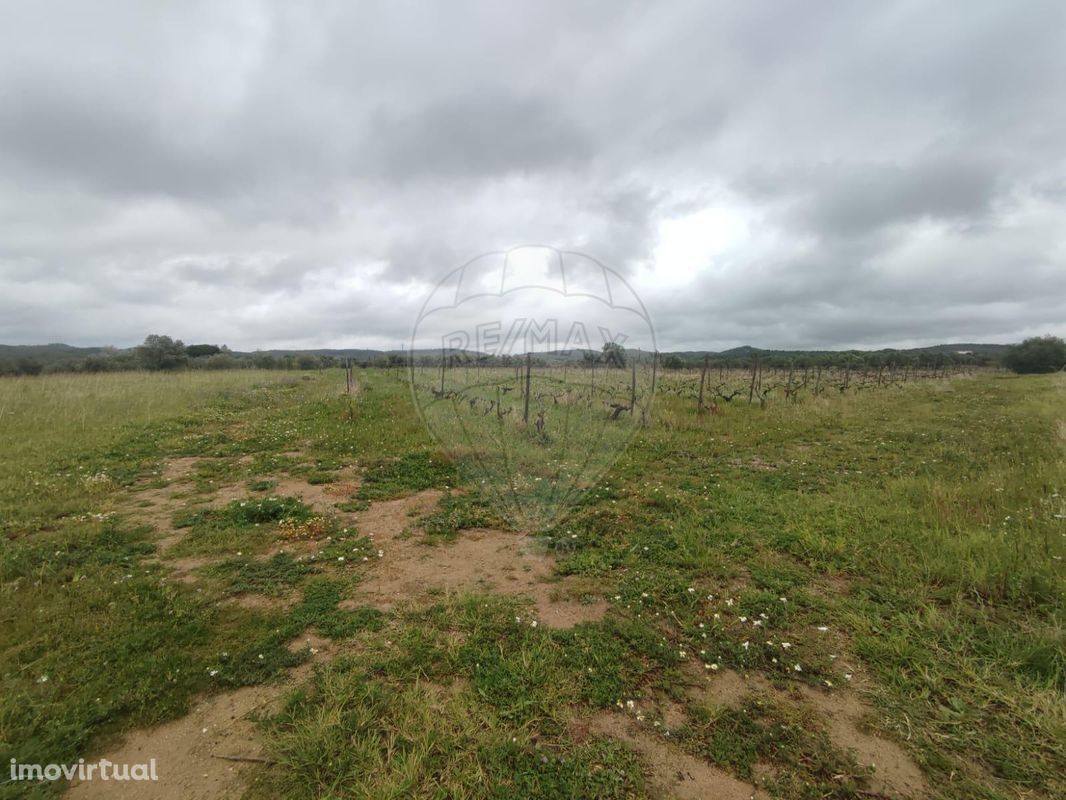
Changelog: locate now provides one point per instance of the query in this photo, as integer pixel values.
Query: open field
(858, 594)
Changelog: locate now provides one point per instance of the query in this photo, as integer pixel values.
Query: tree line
(162, 353)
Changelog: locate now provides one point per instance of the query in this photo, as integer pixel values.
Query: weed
(412, 472)
(272, 577)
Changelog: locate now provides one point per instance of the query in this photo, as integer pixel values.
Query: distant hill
(47, 353)
(356, 354)
(61, 357)
(747, 351)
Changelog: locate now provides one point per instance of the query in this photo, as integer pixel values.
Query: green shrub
(1037, 355)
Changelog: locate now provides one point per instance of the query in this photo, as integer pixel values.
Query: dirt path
(188, 750)
(412, 573)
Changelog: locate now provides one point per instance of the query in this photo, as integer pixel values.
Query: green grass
(272, 577)
(394, 719)
(409, 473)
(95, 640)
(763, 731)
(239, 526)
(459, 512)
(364, 735)
(922, 526)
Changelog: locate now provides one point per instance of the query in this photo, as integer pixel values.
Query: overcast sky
(782, 174)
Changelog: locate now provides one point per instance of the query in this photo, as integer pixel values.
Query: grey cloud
(486, 132)
(851, 199)
(896, 170)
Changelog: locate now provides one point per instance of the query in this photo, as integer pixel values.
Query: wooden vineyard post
(703, 381)
(525, 410)
(592, 396)
(654, 373)
(633, 390)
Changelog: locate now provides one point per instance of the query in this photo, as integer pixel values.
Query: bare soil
(199, 756)
(411, 573)
(670, 771)
(845, 717)
(485, 559)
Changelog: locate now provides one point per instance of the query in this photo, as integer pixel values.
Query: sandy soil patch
(671, 771)
(844, 715)
(195, 754)
(730, 689)
(184, 570)
(485, 559)
(187, 751)
(180, 468)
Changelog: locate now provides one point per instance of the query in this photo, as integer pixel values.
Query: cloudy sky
(783, 174)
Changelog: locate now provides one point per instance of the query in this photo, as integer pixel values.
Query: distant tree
(28, 366)
(97, 363)
(673, 361)
(614, 355)
(1039, 354)
(221, 360)
(162, 352)
(265, 361)
(200, 350)
(110, 359)
(307, 361)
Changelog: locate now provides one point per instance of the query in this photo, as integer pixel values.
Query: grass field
(857, 595)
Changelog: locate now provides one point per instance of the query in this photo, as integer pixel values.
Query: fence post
(703, 381)
(633, 390)
(654, 373)
(525, 412)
